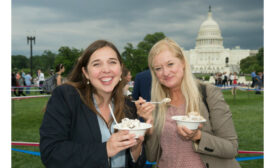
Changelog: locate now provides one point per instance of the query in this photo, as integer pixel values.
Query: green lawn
(247, 109)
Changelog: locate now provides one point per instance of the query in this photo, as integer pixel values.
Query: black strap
(204, 95)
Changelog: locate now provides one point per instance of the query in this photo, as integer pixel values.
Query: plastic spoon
(165, 100)
(111, 110)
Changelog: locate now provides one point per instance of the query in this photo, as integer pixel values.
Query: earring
(120, 79)
(88, 82)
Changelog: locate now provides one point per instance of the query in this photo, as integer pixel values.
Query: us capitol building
(209, 55)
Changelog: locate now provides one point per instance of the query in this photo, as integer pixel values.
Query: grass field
(247, 109)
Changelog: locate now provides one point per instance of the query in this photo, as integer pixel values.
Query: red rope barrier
(25, 143)
(251, 152)
(28, 97)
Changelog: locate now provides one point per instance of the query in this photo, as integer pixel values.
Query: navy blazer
(142, 85)
(70, 135)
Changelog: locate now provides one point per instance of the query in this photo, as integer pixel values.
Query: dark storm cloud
(77, 23)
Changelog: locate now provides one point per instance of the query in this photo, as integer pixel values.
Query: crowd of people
(228, 79)
(19, 80)
(22, 81)
(225, 79)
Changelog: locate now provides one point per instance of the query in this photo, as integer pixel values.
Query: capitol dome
(209, 35)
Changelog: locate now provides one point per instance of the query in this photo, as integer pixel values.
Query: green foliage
(68, 57)
(252, 63)
(149, 40)
(136, 59)
(19, 62)
(47, 61)
(43, 62)
(48, 58)
(260, 58)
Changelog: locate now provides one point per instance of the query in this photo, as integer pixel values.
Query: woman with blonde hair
(214, 144)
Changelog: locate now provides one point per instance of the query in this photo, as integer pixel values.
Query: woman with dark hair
(77, 129)
(126, 74)
(59, 69)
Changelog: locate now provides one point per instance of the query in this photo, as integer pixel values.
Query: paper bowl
(192, 125)
(137, 131)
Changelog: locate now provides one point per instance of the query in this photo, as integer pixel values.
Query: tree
(68, 57)
(128, 55)
(252, 63)
(136, 60)
(45, 62)
(48, 59)
(260, 59)
(149, 40)
(19, 62)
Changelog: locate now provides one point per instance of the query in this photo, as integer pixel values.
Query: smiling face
(103, 70)
(168, 69)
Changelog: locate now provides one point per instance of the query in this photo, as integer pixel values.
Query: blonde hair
(189, 85)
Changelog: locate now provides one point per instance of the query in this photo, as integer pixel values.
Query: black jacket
(70, 135)
(142, 87)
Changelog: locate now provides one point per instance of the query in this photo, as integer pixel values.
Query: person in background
(28, 82)
(127, 77)
(21, 85)
(235, 83)
(23, 76)
(253, 77)
(59, 69)
(258, 83)
(142, 85)
(230, 79)
(225, 79)
(77, 130)
(40, 79)
(214, 144)
(14, 84)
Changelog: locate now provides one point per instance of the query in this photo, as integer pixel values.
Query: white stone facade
(209, 55)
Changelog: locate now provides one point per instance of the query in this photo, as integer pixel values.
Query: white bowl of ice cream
(134, 126)
(191, 121)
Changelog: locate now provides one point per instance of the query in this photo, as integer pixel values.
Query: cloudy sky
(77, 23)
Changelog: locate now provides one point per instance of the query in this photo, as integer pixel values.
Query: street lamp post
(31, 39)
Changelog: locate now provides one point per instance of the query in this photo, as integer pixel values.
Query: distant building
(209, 55)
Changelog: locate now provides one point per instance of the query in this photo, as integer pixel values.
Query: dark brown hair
(58, 67)
(124, 74)
(78, 80)
(125, 71)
